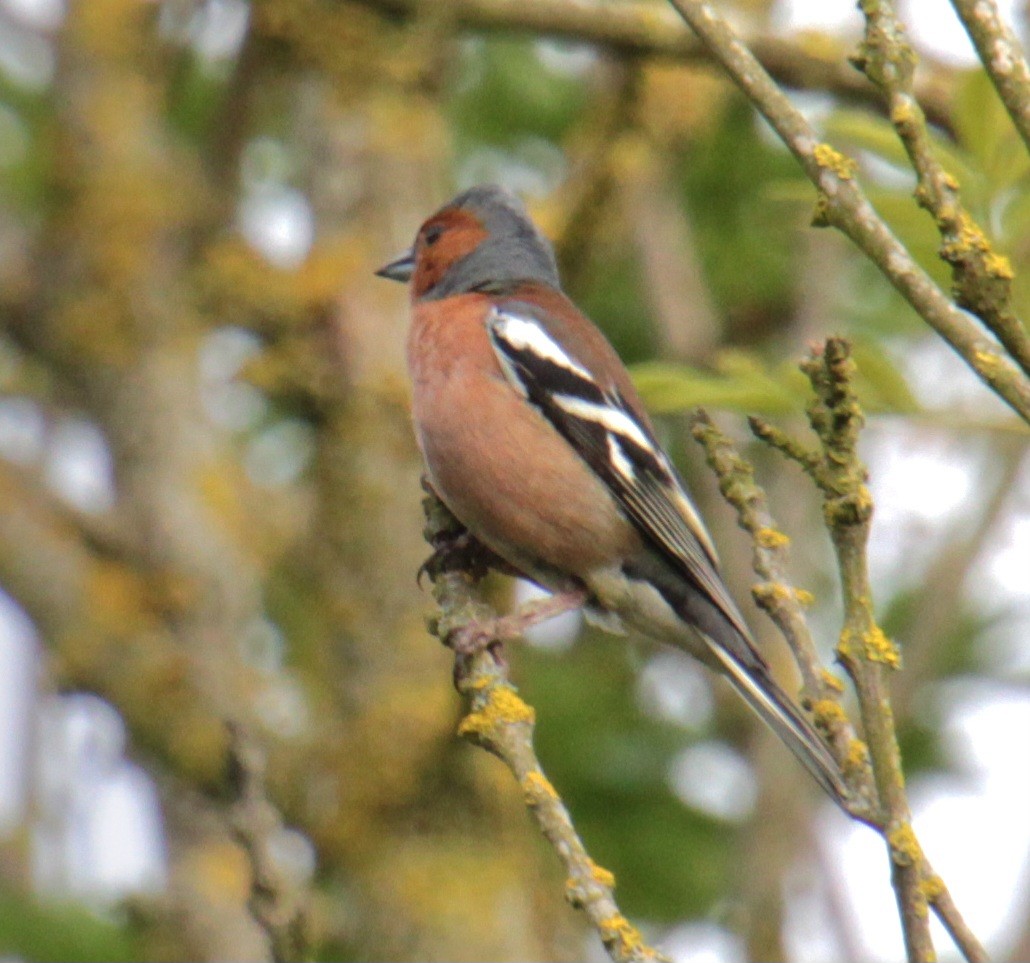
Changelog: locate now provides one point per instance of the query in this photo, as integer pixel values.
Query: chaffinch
(535, 438)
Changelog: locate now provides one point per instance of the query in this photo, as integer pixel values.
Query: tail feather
(777, 710)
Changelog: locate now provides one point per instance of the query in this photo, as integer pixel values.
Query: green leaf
(984, 128)
(880, 386)
(877, 136)
(745, 251)
(43, 930)
(667, 387)
(868, 132)
(743, 383)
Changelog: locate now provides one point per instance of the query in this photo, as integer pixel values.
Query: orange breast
(494, 459)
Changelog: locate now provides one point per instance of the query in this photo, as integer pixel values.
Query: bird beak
(400, 268)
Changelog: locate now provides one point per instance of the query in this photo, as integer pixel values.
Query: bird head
(482, 240)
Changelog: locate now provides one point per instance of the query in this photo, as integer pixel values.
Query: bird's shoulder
(577, 336)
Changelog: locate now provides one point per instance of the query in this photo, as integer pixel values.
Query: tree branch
(842, 204)
(981, 278)
(646, 29)
(1002, 56)
(500, 722)
(863, 650)
(785, 606)
(276, 902)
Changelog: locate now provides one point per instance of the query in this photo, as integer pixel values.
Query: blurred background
(209, 498)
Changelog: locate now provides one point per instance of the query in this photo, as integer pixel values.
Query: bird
(535, 438)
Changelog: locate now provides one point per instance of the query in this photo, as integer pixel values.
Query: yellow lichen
(578, 890)
(773, 591)
(933, 887)
(620, 931)
(998, 266)
(968, 238)
(771, 538)
(833, 160)
(988, 360)
(905, 849)
(803, 597)
(537, 787)
(831, 681)
(878, 648)
(601, 875)
(903, 113)
(503, 706)
(858, 755)
(827, 711)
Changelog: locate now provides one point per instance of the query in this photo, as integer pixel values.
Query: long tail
(777, 710)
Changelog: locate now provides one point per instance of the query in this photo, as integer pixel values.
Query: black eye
(432, 235)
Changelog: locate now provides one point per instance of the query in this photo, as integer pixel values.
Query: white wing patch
(609, 418)
(609, 438)
(524, 334)
(619, 460)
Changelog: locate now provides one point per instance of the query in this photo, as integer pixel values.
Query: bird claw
(459, 551)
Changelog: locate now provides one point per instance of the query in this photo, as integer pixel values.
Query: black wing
(620, 450)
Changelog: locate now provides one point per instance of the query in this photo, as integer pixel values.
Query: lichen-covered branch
(843, 205)
(863, 649)
(277, 903)
(981, 277)
(501, 722)
(785, 604)
(1002, 56)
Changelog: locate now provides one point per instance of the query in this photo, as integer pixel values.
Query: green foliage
(26, 154)
(744, 382)
(41, 932)
(611, 296)
(744, 248)
(987, 137)
(985, 156)
(505, 92)
(609, 761)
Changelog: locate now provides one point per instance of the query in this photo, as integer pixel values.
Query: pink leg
(479, 635)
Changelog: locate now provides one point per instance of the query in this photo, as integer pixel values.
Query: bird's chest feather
(494, 459)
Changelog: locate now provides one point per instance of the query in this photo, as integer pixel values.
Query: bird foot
(486, 633)
(459, 550)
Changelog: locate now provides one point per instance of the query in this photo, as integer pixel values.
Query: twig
(981, 278)
(785, 606)
(863, 650)
(1002, 56)
(276, 902)
(866, 653)
(500, 722)
(842, 204)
